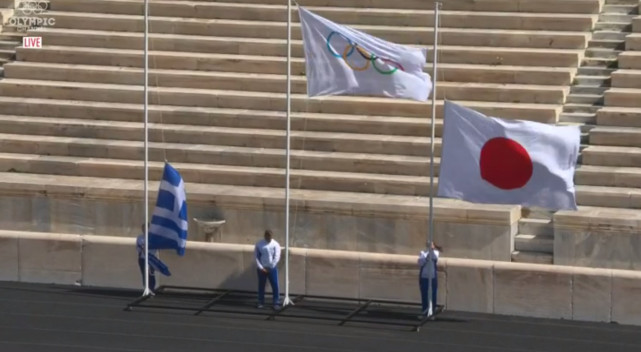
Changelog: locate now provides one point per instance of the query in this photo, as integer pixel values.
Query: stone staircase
(535, 240)
(9, 39)
(593, 76)
(71, 111)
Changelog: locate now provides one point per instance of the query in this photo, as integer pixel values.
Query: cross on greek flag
(168, 228)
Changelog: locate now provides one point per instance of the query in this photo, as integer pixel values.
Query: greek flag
(157, 264)
(168, 229)
(154, 262)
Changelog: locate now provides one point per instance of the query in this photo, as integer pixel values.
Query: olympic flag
(343, 61)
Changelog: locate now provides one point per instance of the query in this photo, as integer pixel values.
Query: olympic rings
(370, 58)
(391, 63)
(331, 50)
(29, 7)
(352, 67)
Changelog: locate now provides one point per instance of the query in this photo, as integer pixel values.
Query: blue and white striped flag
(168, 228)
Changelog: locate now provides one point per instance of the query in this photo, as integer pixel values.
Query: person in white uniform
(267, 253)
(427, 261)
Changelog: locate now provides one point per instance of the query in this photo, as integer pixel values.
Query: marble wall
(518, 289)
(600, 238)
(351, 226)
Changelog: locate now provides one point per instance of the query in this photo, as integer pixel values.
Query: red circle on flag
(505, 163)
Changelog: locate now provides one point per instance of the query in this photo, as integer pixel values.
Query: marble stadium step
(244, 100)
(623, 97)
(217, 154)
(470, 54)
(266, 83)
(616, 17)
(545, 76)
(536, 227)
(580, 108)
(221, 174)
(345, 15)
(613, 197)
(532, 257)
(586, 99)
(220, 136)
(604, 63)
(240, 118)
(255, 64)
(582, 118)
(608, 176)
(540, 6)
(185, 29)
(595, 71)
(7, 46)
(626, 79)
(609, 35)
(337, 202)
(602, 53)
(591, 81)
(611, 156)
(609, 197)
(633, 41)
(623, 6)
(276, 65)
(613, 26)
(245, 118)
(534, 243)
(636, 24)
(630, 60)
(617, 116)
(606, 44)
(616, 136)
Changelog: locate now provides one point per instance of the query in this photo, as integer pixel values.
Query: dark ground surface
(60, 318)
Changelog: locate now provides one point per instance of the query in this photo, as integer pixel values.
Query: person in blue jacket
(427, 261)
(267, 255)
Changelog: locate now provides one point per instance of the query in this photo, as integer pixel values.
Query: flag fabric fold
(157, 264)
(491, 160)
(168, 228)
(343, 61)
(154, 262)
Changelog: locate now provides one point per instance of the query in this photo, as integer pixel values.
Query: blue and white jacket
(427, 260)
(267, 254)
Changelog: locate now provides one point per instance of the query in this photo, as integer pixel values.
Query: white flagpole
(146, 112)
(433, 127)
(287, 301)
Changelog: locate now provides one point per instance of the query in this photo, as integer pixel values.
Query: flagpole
(437, 5)
(146, 113)
(287, 301)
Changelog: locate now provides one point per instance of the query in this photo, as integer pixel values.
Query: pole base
(287, 301)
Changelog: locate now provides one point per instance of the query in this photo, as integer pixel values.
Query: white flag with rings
(343, 61)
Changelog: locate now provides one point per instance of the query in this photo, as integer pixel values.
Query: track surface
(59, 318)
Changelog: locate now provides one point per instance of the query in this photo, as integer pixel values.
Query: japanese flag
(491, 160)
